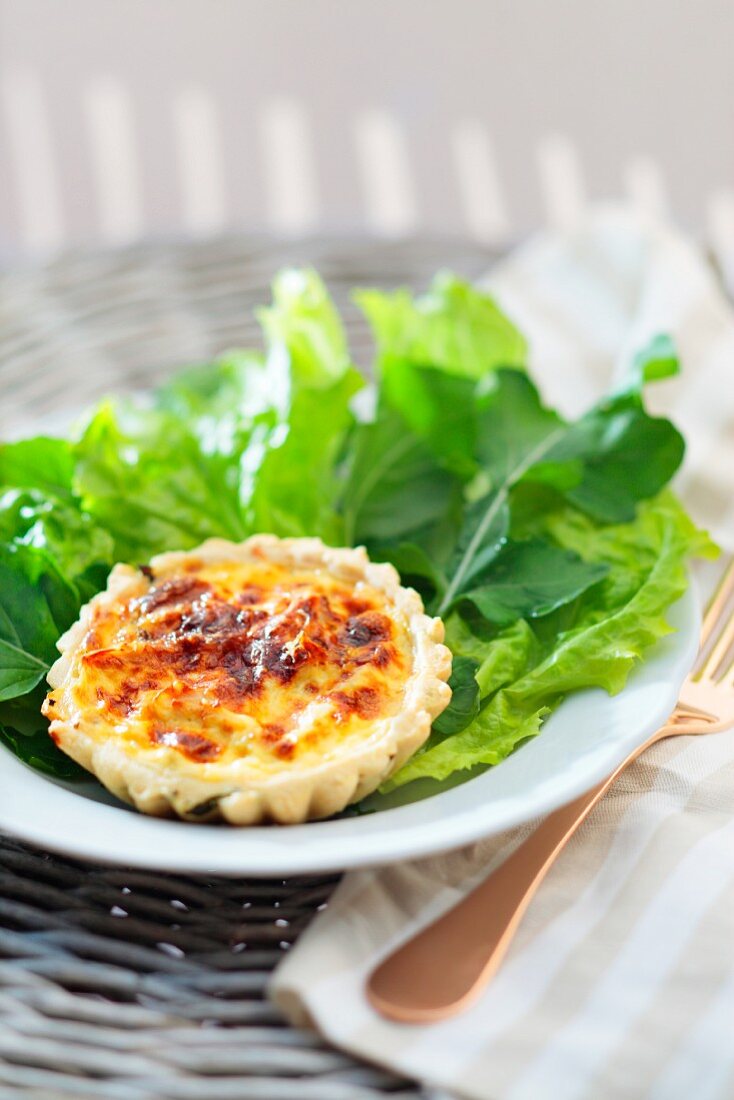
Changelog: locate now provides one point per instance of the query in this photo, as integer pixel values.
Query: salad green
(551, 548)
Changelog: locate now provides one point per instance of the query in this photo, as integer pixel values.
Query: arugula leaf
(39, 752)
(438, 408)
(81, 550)
(415, 565)
(605, 463)
(515, 430)
(19, 670)
(454, 327)
(395, 484)
(464, 704)
(622, 456)
(36, 606)
(530, 579)
(43, 464)
(481, 537)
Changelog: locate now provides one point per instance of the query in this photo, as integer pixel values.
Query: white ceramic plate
(580, 744)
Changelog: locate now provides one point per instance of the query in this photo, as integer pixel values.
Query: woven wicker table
(119, 984)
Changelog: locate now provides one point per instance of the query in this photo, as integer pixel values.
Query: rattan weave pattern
(117, 984)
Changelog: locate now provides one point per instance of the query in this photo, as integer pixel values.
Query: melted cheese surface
(231, 662)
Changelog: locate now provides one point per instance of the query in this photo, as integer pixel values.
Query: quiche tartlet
(270, 680)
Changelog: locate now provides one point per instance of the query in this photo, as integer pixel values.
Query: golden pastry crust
(270, 680)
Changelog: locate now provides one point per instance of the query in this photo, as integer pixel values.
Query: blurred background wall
(124, 119)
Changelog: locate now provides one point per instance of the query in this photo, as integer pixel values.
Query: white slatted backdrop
(126, 119)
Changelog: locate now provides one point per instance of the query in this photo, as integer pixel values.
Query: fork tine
(723, 644)
(718, 602)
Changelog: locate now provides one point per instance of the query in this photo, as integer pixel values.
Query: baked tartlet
(271, 680)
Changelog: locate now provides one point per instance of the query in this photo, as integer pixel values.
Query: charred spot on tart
(124, 699)
(195, 746)
(283, 745)
(169, 592)
(249, 595)
(285, 749)
(369, 634)
(356, 605)
(363, 701)
(107, 659)
(366, 628)
(381, 656)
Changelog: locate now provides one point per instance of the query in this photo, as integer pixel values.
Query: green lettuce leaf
(516, 650)
(291, 481)
(81, 550)
(530, 579)
(395, 484)
(464, 704)
(145, 476)
(43, 464)
(604, 463)
(246, 444)
(454, 327)
(36, 606)
(304, 320)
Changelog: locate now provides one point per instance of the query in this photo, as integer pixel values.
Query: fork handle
(443, 969)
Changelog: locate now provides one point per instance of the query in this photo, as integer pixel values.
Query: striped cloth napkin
(620, 983)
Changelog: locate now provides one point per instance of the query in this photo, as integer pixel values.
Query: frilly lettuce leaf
(304, 320)
(41, 463)
(249, 443)
(81, 550)
(454, 326)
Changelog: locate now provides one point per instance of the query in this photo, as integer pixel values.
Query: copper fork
(443, 969)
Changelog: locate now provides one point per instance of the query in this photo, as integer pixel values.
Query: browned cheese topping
(230, 660)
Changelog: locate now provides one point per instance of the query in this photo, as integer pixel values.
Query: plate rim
(268, 861)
